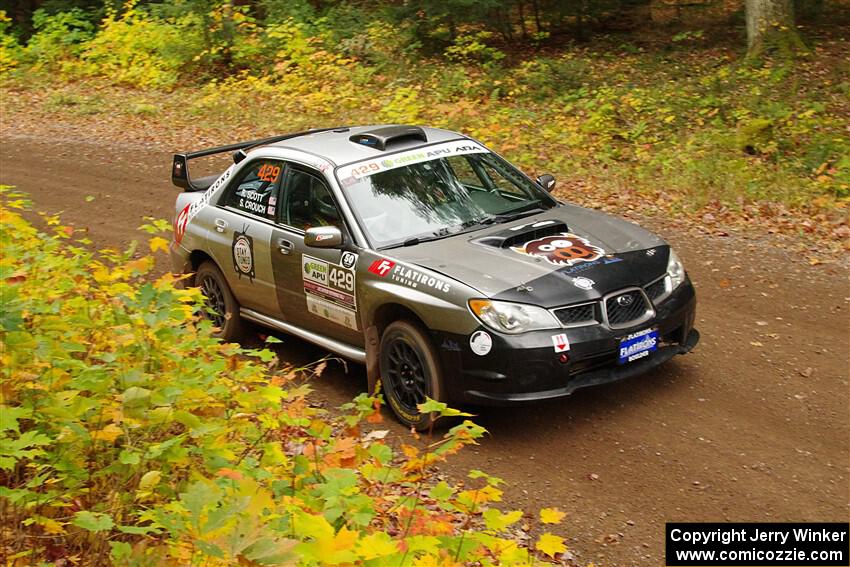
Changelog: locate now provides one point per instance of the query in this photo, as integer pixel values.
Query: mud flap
(690, 343)
(373, 367)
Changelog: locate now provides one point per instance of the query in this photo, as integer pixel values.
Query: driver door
(316, 287)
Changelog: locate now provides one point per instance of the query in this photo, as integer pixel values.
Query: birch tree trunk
(770, 24)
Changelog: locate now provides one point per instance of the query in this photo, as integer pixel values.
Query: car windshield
(464, 187)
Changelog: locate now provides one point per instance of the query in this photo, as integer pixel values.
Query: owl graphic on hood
(562, 249)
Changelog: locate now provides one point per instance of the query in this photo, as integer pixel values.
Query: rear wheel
(410, 372)
(221, 307)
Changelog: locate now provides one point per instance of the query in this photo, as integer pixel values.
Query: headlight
(675, 270)
(512, 318)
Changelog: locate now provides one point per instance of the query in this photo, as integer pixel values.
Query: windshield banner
(366, 168)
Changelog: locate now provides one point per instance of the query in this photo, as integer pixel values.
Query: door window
(309, 202)
(256, 190)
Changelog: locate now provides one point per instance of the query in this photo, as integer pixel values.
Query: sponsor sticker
(329, 289)
(243, 254)
(413, 278)
(481, 343)
(348, 260)
(638, 345)
(192, 209)
(446, 149)
(561, 342)
(583, 283)
(564, 249)
(381, 267)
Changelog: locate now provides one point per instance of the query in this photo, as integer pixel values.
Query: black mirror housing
(547, 182)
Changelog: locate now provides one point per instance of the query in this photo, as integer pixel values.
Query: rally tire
(222, 307)
(409, 371)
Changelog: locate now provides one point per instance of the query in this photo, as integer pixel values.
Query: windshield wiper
(419, 240)
(505, 217)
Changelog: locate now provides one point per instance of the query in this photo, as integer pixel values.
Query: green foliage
(688, 118)
(10, 50)
(473, 48)
(128, 434)
(58, 38)
(137, 48)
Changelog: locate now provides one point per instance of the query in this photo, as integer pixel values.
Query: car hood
(564, 255)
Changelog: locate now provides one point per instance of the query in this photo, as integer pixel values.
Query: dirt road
(752, 426)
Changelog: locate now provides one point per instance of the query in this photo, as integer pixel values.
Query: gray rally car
(432, 260)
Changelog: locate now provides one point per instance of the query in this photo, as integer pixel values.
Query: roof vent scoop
(380, 138)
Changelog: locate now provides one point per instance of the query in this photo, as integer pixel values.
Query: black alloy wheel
(222, 309)
(409, 372)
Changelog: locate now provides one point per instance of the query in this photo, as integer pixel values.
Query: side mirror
(547, 182)
(323, 237)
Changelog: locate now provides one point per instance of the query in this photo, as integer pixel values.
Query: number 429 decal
(268, 172)
(341, 278)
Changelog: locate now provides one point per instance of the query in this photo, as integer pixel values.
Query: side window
(503, 185)
(256, 190)
(309, 202)
(463, 171)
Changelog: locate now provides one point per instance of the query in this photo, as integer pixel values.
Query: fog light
(564, 358)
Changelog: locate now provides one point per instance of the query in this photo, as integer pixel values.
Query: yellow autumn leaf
(149, 480)
(551, 544)
(158, 243)
(109, 433)
(551, 516)
(378, 544)
(50, 525)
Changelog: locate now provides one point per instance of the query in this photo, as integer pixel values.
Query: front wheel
(410, 372)
(221, 306)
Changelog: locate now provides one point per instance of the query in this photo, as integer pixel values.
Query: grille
(623, 315)
(655, 289)
(576, 315)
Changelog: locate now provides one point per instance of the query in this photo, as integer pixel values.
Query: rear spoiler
(180, 167)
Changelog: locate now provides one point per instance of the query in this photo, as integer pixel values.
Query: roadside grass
(129, 436)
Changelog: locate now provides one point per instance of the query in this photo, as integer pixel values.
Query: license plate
(638, 345)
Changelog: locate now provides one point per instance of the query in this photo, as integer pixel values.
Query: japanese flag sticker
(560, 342)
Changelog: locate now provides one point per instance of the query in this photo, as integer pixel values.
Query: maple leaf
(551, 544)
(551, 516)
(158, 243)
(109, 433)
(375, 545)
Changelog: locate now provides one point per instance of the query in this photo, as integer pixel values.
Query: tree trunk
(770, 25)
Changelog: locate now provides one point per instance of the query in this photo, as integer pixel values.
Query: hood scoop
(521, 234)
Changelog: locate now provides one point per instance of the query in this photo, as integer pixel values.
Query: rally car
(432, 260)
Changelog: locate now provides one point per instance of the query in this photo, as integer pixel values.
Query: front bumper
(526, 368)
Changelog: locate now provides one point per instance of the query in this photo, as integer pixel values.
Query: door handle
(284, 246)
(220, 225)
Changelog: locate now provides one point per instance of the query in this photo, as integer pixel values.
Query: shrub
(59, 38)
(10, 49)
(139, 49)
(127, 434)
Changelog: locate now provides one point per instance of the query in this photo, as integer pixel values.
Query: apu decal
(563, 249)
(243, 254)
(329, 291)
